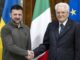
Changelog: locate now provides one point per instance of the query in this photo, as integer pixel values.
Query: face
(62, 14)
(17, 16)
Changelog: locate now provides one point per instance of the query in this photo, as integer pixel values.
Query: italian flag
(41, 19)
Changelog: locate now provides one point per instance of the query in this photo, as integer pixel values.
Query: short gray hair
(61, 4)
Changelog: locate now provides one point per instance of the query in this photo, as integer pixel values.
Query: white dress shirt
(64, 23)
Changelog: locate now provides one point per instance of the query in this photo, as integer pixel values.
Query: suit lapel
(56, 32)
(66, 28)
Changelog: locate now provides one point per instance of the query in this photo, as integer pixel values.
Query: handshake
(30, 55)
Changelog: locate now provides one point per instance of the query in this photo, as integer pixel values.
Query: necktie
(62, 28)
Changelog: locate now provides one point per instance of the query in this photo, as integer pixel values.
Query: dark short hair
(17, 7)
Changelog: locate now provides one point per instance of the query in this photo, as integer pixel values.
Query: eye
(20, 14)
(15, 14)
(58, 12)
(64, 12)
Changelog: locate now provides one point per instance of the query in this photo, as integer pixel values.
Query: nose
(17, 15)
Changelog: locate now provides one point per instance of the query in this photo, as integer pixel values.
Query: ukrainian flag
(6, 18)
(75, 10)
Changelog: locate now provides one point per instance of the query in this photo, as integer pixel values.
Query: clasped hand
(30, 55)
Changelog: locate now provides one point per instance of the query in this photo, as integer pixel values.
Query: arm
(77, 43)
(28, 38)
(9, 44)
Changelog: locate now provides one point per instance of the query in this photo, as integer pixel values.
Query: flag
(41, 19)
(74, 10)
(6, 18)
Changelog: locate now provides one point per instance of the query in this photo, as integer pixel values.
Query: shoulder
(26, 27)
(73, 21)
(75, 24)
(5, 27)
(53, 23)
(5, 30)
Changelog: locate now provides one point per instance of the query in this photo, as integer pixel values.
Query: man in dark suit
(62, 37)
(16, 36)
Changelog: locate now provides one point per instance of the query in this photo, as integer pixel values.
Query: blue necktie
(62, 28)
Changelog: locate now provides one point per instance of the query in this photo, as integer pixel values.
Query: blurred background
(28, 6)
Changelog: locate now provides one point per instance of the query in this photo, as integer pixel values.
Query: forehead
(62, 8)
(16, 11)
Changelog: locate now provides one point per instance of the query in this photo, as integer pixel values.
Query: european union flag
(75, 10)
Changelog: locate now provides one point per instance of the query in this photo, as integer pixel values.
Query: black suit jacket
(64, 46)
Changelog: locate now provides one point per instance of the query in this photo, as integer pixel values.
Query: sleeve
(9, 44)
(28, 39)
(77, 42)
(45, 45)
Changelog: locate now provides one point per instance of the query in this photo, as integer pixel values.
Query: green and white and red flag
(41, 19)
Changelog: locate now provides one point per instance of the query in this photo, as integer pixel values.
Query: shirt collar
(17, 26)
(64, 23)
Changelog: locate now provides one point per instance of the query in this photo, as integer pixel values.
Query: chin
(61, 20)
(17, 22)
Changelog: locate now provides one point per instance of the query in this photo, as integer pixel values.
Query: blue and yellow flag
(75, 10)
(6, 17)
